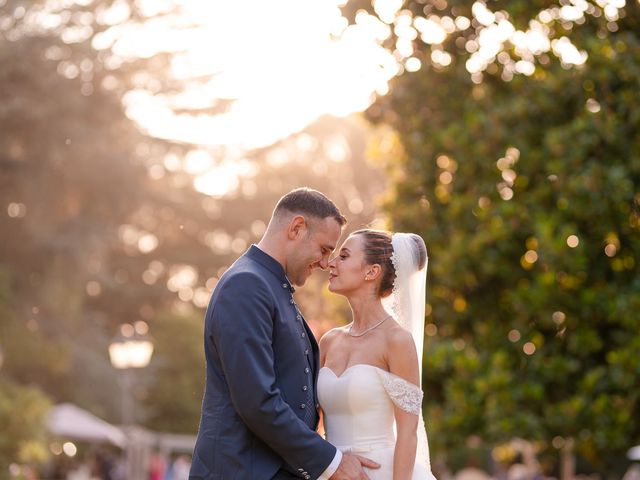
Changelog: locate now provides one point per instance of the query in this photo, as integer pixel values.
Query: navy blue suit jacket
(260, 371)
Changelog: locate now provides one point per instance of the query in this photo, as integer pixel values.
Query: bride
(369, 383)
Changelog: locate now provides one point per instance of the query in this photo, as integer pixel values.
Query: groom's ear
(297, 227)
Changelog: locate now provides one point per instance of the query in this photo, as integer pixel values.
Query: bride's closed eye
(340, 256)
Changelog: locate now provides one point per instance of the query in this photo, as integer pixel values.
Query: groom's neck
(274, 248)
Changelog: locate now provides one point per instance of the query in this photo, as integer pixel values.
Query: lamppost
(130, 349)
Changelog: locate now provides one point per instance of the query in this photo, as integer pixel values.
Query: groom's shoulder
(242, 274)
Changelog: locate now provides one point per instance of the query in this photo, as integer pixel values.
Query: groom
(260, 408)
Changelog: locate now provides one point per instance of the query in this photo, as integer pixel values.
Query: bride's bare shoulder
(401, 354)
(399, 339)
(332, 334)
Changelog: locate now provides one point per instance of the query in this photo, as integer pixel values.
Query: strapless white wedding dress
(359, 418)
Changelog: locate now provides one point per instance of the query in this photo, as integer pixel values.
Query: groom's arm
(242, 329)
(333, 466)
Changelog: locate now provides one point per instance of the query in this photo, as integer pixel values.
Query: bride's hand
(350, 468)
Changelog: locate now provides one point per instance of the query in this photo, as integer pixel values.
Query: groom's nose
(323, 263)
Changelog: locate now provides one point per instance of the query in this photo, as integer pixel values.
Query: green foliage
(174, 399)
(537, 336)
(22, 414)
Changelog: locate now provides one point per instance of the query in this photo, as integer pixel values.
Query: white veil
(407, 304)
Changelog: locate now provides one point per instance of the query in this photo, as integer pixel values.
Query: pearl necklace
(368, 329)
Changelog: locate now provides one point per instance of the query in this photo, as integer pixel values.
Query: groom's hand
(350, 468)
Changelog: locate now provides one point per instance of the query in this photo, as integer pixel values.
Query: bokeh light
(573, 241)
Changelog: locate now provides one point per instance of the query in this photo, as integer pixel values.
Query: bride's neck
(366, 310)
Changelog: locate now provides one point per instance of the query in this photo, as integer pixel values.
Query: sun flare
(283, 64)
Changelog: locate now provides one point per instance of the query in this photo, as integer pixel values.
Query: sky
(284, 63)
(287, 62)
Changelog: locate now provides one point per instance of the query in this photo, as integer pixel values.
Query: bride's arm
(403, 362)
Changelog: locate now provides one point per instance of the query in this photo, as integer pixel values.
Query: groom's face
(313, 249)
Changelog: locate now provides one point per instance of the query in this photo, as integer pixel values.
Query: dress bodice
(357, 410)
(359, 417)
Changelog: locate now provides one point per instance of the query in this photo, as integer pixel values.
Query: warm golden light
(141, 327)
(69, 449)
(430, 329)
(16, 210)
(283, 66)
(459, 304)
(130, 353)
(181, 277)
(610, 250)
(459, 344)
(529, 348)
(446, 178)
(443, 161)
(93, 288)
(592, 105)
(55, 448)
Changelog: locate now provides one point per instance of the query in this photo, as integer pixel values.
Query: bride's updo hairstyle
(378, 249)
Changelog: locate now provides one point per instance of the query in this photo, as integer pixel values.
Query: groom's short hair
(307, 201)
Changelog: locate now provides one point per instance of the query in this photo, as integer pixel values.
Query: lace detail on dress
(403, 394)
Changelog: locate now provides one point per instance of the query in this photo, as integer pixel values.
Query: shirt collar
(271, 264)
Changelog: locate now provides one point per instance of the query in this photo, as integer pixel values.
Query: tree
(525, 187)
(22, 415)
(103, 226)
(22, 408)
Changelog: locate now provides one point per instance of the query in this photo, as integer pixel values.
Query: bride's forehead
(353, 243)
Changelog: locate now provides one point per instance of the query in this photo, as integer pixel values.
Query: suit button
(291, 301)
(284, 285)
(305, 388)
(301, 470)
(306, 370)
(307, 477)
(302, 406)
(299, 317)
(302, 335)
(306, 352)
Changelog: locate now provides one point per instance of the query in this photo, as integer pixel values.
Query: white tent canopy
(70, 421)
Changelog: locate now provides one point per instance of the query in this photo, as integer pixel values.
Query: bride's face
(347, 269)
